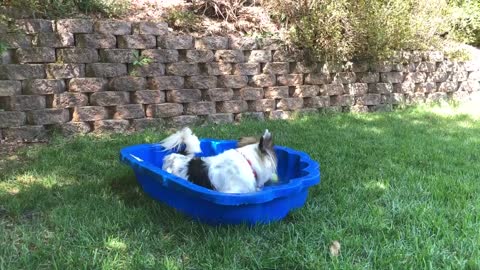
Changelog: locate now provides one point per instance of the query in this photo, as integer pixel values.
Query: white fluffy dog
(241, 170)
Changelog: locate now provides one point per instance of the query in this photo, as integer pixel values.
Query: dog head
(266, 142)
(265, 146)
(261, 151)
(267, 156)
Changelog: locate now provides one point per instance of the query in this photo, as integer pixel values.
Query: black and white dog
(241, 170)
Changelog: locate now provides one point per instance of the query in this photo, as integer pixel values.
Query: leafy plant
(383, 27)
(4, 24)
(183, 19)
(3, 48)
(140, 61)
(465, 20)
(66, 8)
(322, 27)
(374, 29)
(457, 53)
(111, 8)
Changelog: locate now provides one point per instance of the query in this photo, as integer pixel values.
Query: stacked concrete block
(83, 76)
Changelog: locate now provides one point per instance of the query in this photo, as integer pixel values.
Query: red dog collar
(249, 163)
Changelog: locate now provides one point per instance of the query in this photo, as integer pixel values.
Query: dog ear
(266, 142)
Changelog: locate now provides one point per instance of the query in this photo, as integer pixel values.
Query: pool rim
(294, 185)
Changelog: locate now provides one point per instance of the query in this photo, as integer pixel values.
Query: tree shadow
(79, 155)
(81, 183)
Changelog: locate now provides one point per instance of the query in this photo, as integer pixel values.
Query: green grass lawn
(399, 191)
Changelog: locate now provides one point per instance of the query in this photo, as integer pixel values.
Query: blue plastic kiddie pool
(296, 171)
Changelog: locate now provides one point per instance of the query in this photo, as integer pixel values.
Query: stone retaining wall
(87, 76)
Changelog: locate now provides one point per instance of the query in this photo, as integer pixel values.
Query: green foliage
(140, 61)
(323, 27)
(383, 27)
(3, 48)
(66, 8)
(108, 7)
(4, 23)
(374, 29)
(465, 16)
(457, 53)
(181, 19)
(5, 26)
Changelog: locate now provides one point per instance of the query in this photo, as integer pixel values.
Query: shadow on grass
(68, 165)
(79, 190)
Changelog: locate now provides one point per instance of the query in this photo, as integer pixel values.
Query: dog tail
(182, 137)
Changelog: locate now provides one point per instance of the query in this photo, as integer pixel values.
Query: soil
(251, 18)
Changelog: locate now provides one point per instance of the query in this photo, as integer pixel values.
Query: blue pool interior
(289, 166)
(296, 171)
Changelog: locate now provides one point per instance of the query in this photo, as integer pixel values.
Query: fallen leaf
(335, 248)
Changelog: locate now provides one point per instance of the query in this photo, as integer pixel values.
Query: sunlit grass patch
(399, 190)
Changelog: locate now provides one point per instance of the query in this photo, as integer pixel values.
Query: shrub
(383, 27)
(465, 16)
(108, 7)
(371, 29)
(322, 27)
(181, 19)
(66, 8)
